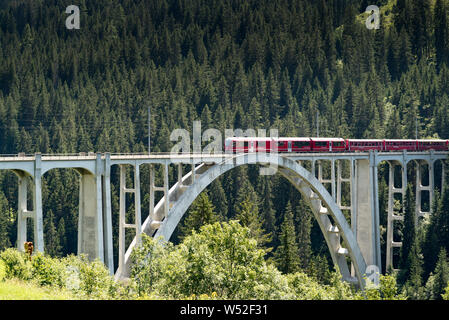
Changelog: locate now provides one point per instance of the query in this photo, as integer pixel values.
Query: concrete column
(431, 183)
(333, 178)
(339, 181)
(353, 188)
(90, 221)
(151, 191)
(122, 213)
(375, 211)
(365, 223)
(389, 253)
(22, 212)
(418, 192)
(137, 206)
(99, 208)
(37, 199)
(107, 215)
(166, 189)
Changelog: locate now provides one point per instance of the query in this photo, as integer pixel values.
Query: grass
(14, 289)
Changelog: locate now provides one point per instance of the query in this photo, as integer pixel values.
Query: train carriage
(328, 144)
(304, 144)
(292, 144)
(248, 144)
(437, 145)
(399, 145)
(365, 144)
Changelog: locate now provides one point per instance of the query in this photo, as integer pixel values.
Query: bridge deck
(155, 156)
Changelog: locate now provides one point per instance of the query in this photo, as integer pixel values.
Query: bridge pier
(123, 225)
(37, 205)
(90, 221)
(366, 226)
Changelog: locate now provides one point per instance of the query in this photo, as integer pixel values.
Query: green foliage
(94, 278)
(286, 254)
(445, 296)
(201, 213)
(47, 270)
(220, 258)
(441, 276)
(2, 270)
(82, 278)
(17, 264)
(387, 290)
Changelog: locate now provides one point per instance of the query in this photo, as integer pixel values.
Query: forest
(260, 64)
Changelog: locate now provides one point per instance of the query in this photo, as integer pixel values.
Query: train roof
(327, 139)
(367, 140)
(293, 138)
(249, 138)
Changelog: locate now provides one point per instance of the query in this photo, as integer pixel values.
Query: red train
(294, 145)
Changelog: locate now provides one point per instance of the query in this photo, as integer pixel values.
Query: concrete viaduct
(353, 239)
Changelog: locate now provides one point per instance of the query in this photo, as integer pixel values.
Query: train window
(321, 144)
(245, 144)
(337, 144)
(261, 144)
(280, 143)
(300, 144)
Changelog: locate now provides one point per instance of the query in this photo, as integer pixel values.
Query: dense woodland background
(231, 64)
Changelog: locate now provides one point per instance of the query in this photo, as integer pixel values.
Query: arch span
(322, 204)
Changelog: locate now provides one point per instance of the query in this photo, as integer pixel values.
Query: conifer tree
(249, 216)
(304, 226)
(286, 254)
(409, 231)
(441, 275)
(52, 242)
(201, 213)
(5, 223)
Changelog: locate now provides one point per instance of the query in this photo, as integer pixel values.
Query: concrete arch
(319, 199)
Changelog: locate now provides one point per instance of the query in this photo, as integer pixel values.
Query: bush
(83, 278)
(89, 279)
(17, 264)
(2, 270)
(48, 271)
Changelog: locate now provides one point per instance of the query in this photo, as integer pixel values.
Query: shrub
(95, 282)
(2, 270)
(48, 271)
(17, 264)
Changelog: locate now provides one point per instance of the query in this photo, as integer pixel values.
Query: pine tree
(409, 231)
(286, 254)
(441, 275)
(441, 31)
(5, 223)
(52, 243)
(304, 225)
(414, 282)
(201, 213)
(249, 216)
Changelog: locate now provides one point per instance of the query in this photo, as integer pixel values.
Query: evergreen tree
(286, 254)
(201, 213)
(249, 216)
(304, 225)
(51, 237)
(441, 275)
(5, 223)
(409, 231)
